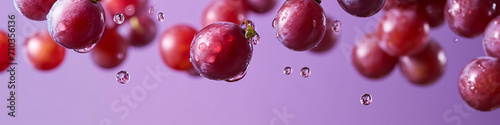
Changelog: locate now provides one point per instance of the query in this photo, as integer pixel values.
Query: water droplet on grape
(86, 49)
(238, 77)
(122, 77)
(256, 39)
(161, 17)
(366, 99)
(288, 70)
(337, 26)
(305, 72)
(119, 18)
(202, 46)
(152, 10)
(244, 25)
(274, 22)
(130, 10)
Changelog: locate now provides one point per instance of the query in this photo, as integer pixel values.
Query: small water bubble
(119, 18)
(86, 49)
(152, 10)
(256, 39)
(238, 77)
(161, 17)
(274, 22)
(122, 77)
(455, 40)
(337, 26)
(130, 10)
(366, 99)
(305, 72)
(288, 70)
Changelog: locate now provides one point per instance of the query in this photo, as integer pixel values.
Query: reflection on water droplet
(161, 17)
(366, 99)
(305, 72)
(274, 22)
(122, 77)
(337, 26)
(288, 70)
(152, 10)
(238, 77)
(86, 49)
(256, 39)
(119, 18)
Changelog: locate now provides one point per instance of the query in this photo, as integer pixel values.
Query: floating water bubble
(366, 99)
(305, 72)
(161, 17)
(455, 40)
(86, 49)
(288, 70)
(119, 18)
(152, 10)
(122, 77)
(130, 10)
(337, 26)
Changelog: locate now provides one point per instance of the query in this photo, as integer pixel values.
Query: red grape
(329, 39)
(128, 8)
(362, 8)
(76, 24)
(43, 52)
(220, 51)
(479, 83)
(111, 49)
(433, 11)
(491, 39)
(403, 31)
(4, 48)
(34, 9)
(300, 24)
(261, 6)
(224, 10)
(469, 18)
(370, 60)
(139, 30)
(175, 43)
(425, 67)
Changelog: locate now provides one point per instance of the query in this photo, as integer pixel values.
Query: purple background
(78, 92)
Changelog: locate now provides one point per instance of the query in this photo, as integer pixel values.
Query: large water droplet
(122, 77)
(86, 49)
(238, 77)
(366, 99)
(152, 10)
(119, 18)
(305, 72)
(337, 26)
(274, 22)
(161, 17)
(256, 39)
(288, 70)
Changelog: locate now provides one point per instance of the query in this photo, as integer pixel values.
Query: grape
(370, 60)
(43, 52)
(300, 24)
(261, 6)
(491, 39)
(111, 49)
(4, 48)
(139, 30)
(128, 8)
(361, 8)
(223, 10)
(433, 11)
(479, 83)
(34, 9)
(329, 39)
(403, 31)
(76, 24)
(220, 51)
(469, 18)
(425, 67)
(175, 43)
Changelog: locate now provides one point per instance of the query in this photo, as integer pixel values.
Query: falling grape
(122, 77)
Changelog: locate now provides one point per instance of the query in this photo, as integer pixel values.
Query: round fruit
(43, 52)
(223, 11)
(111, 49)
(370, 60)
(34, 9)
(175, 43)
(469, 18)
(361, 8)
(425, 67)
(491, 39)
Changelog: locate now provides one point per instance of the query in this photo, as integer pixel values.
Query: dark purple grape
(300, 24)
(433, 10)
(479, 83)
(34, 9)
(469, 18)
(362, 8)
(111, 49)
(261, 6)
(138, 30)
(76, 24)
(220, 51)
(425, 67)
(329, 39)
(370, 60)
(491, 39)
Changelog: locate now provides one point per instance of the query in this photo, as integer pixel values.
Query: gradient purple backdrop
(78, 92)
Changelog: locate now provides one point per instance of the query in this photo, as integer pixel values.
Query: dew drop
(274, 22)
(337, 26)
(366, 99)
(238, 77)
(119, 18)
(288, 70)
(305, 72)
(161, 17)
(152, 10)
(86, 49)
(122, 77)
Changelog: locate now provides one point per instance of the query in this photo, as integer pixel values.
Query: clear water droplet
(366, 99)
(238, 77)
(288, 70)
(86, 49)
(202, 46)
(256, 39)
(337, 26)
(122, 77)
(244, 25)
(161, 17)
(152, 10)
(119, 18)
(130, 10)
(455, 40)
(305, 72)
(274, 22)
